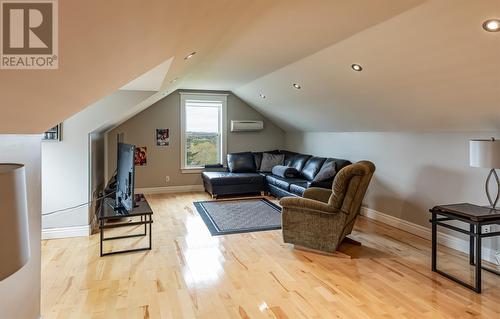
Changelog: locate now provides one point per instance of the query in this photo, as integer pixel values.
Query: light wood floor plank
(190, 274)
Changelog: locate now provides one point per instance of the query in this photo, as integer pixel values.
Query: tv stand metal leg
(478, 259)
(101, 235)
(471, 245)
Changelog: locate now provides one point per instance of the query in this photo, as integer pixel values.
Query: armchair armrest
(319, 194)
(307, 205)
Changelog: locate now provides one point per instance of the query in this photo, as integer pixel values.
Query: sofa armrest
(319, 194)
(307, 205)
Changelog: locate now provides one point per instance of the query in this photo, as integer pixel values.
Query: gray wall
(20, 293)
(140, 130)
(97, 168)
(415, 171)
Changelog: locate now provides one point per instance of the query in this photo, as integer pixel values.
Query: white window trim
(223, 123)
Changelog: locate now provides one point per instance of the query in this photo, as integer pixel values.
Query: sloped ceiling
(152, 80)
(428, 65)
(431, 68)
(103, 45)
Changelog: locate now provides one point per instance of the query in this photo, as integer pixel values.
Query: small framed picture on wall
(162, 137)
(141, 156)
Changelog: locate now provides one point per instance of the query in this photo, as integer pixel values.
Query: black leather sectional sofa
(244, 175)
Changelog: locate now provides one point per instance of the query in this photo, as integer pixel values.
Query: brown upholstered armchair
(323, 218)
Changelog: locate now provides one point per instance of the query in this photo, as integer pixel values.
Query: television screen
(125, 177)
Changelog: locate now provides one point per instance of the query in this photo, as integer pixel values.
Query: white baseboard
(424, 232)
(65, 232)
(170, 189)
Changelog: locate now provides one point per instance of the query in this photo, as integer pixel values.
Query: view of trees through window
(202, 133)
(202, 148)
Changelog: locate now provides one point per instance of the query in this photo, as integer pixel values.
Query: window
(203, 130)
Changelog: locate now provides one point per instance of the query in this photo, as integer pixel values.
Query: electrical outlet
(486, 229)
(167, 179)
(497, 256)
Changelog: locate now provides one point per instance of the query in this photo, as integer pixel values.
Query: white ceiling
(428, 64)
(151, 80)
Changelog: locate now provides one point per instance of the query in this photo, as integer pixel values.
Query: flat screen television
(125, 174)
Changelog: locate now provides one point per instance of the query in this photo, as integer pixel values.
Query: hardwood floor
(190, 274)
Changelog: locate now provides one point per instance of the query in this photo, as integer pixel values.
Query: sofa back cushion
(339, 163)
(326, 173)
(241, 162)
(270, 160)
(297, 161)
(312, 167)
(288, 154)
(257, 156)
(329, 169)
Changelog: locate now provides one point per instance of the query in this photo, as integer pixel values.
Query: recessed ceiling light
(492, 25)
(262, 96)
(357, 67)
(190, 55)
(297, 86)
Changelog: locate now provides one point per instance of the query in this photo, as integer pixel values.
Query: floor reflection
(202, 253)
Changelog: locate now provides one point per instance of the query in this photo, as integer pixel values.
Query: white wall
(97, 168)
(20, 293)
(65, 164)
(415, 171)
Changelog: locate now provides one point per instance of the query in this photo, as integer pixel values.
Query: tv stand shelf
(142, 214)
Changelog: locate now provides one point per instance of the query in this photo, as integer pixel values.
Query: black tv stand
(114, 206)
(110, 211)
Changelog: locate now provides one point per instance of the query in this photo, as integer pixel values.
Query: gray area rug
(239, 216)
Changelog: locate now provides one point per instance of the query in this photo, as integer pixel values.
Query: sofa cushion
(241, 162)
(257, 156)
(285, 171)
(270, 160)
(288, 154)
(297, 161)
(299, 188)
(312, 167)
(326, 184)
(228, 178)
(283, 183)
(327, 172)
(339, 163)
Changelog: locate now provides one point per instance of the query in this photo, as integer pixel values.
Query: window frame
(219, 97)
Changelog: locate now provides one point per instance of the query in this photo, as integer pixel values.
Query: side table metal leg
(434, 242)
(150, 231)
(145, 225)
(478, 259)
(471, 245)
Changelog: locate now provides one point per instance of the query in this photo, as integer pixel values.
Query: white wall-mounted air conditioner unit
(246, 126)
